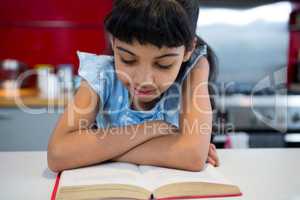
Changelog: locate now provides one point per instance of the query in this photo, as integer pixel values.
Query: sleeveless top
(115, 107)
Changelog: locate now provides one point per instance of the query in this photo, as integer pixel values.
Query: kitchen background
(257, 43)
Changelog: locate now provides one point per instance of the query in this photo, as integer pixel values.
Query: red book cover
(55, 188)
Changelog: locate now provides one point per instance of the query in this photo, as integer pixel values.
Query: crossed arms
(73, 145)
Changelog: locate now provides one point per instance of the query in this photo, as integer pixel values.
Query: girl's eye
(164, 66)
(128, 61)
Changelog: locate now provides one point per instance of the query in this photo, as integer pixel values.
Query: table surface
(268, 174)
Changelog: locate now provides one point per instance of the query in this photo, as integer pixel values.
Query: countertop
(34, 101)
(267, 174)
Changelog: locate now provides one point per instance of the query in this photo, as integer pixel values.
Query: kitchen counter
(32, 101)
(268, 174)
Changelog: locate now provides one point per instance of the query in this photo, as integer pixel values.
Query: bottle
(43, 72)
(53, 90)
(65, 75)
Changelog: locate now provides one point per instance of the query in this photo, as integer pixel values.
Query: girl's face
(146, 70)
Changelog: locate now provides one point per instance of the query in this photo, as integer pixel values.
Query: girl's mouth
(143, 92)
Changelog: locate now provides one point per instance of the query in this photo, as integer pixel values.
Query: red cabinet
(50, 31)
(294, 48)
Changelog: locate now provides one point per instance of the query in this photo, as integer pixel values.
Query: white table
(267, 174)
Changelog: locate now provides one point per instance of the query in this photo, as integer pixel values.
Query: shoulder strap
(186, 67)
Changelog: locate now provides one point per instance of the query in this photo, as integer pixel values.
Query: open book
(120, 180)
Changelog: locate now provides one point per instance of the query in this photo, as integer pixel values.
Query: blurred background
(257, 43)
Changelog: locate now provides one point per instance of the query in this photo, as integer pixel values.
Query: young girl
(150, 100)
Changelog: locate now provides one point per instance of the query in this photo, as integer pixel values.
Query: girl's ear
(188, 53)
(112, 40)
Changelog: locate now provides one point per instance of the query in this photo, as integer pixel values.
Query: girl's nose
(144, 79)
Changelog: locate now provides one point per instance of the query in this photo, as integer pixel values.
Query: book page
(105, 173)
(159, 176)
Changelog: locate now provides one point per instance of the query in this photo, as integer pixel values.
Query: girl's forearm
(165, 151)
(86, 147)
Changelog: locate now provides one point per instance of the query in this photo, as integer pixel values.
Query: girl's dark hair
(170, 23)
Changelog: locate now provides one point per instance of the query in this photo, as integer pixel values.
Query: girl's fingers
(211, 161)
(215, 158)
(213, 155)
(213, 146)
(212, 151)
(217, 162)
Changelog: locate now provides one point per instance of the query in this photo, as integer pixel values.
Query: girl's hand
(213, 158)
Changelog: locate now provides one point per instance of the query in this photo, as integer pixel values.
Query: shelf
(294, 87)
(30, 98)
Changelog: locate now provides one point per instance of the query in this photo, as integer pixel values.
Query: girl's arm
(188, 149)
(74, 143)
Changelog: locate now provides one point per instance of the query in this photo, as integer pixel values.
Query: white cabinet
(25, 131)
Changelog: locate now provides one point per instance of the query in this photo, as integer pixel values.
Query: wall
(249, 41)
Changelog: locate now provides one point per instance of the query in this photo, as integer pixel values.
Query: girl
(150, 99)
